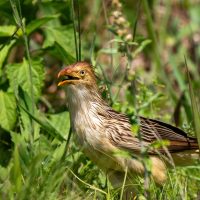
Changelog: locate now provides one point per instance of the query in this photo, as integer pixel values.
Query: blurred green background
(139, 50)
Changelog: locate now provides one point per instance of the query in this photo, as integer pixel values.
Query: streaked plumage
(103, 133)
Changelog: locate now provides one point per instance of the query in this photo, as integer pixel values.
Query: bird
(107, 138)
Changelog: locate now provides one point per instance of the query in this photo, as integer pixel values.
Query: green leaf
(61, 53)
(109, 50)
(135, 128)
(141, 47)
(26, 124)
(60, 122)
(7, 31)
(4, 53)
(35, 24)
(3, 173)
(7, 110)
(16, 176)
(121, 41)
(18, 75)
(160, 144)
(59, 151)
(63, 37)
(45, 125)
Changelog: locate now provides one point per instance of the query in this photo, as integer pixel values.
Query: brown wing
(152, 130)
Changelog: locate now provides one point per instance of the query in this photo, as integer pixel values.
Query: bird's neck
(84, 104)
(81, 96)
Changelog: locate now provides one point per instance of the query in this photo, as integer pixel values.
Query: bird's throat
(84, 104)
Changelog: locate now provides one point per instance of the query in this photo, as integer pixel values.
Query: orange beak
(68, 75)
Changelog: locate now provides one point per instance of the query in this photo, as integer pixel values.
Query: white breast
(85, 121)
(89, 128)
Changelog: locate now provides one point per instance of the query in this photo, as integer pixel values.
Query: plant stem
(74, 26)
(79, 30)
(19, 21)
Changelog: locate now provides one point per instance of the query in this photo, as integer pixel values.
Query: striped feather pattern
(152, 130)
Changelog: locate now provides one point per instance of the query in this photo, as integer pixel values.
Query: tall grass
(195, 107)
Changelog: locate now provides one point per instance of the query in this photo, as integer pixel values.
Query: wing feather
(150, 131)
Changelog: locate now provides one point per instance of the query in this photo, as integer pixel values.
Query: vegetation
(147, 58)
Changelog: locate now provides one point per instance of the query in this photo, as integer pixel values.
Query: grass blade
(195, 107)
(74, 27)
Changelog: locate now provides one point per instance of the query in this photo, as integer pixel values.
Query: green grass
(144, 75)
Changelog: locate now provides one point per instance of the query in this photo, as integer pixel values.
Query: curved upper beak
(62, 72)
(68, 76)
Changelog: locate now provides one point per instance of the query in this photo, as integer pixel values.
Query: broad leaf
(60, 122)
(62, 36)
(27, 125)
(44, 123)
(7, 110)
(18, 75)
(4, 53)
(33, 25)
(7, 31)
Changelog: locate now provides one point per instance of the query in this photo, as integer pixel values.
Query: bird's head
(76, 74)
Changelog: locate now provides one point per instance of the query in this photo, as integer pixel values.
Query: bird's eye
(82, 72)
